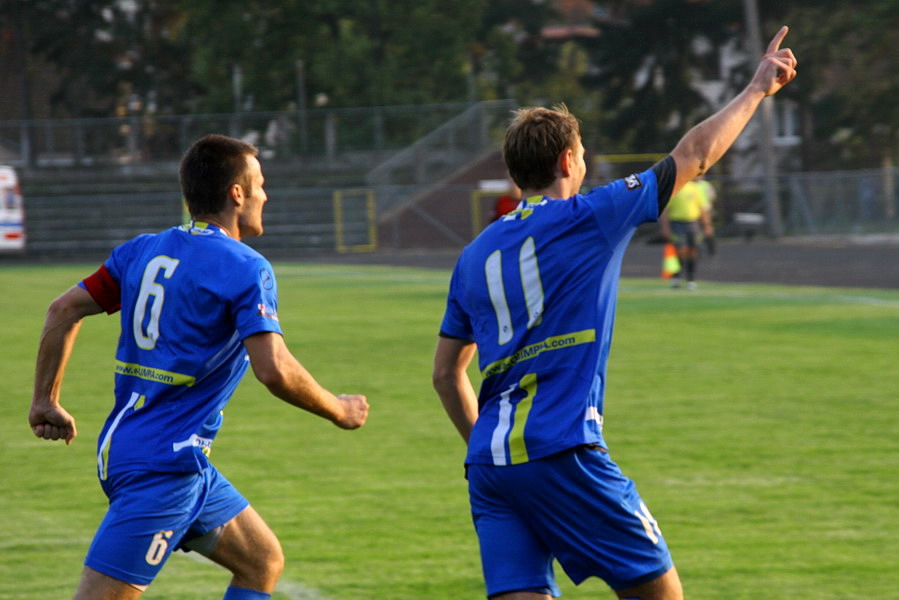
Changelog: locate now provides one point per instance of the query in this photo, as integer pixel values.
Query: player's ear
(565, 162)
(235, 193)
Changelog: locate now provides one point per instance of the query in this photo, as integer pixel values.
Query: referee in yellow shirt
(686, 220)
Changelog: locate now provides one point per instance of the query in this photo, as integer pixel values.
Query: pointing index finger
(774, 45)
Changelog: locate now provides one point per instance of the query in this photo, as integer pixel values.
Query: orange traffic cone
(670, 261)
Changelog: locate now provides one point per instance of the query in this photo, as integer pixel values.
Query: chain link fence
(353, 180)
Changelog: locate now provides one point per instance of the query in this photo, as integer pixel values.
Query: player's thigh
(594, 521)
(221, 503)
(665, 587)
(95, 585)
(517, 564)
(147, 517)
(249, 548)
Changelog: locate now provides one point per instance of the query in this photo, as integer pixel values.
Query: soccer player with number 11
(534, 295)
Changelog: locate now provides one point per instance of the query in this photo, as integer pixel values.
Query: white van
(12, 211)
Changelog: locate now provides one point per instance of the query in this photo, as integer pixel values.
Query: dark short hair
(208, 170)
(535, 139)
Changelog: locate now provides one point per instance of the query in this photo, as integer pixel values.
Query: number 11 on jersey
(531, 285)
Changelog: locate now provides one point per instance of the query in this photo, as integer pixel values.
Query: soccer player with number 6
(196, 303)
(534, 295)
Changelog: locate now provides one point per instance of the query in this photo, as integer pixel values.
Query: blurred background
(380, 122)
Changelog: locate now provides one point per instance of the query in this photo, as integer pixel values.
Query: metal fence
(306, 221)
(862, 201)
(820, 203)
(95, 183)
(322, 137)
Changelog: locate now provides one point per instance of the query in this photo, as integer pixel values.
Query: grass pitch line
(285, 588)
(298, 591)
(802, 294)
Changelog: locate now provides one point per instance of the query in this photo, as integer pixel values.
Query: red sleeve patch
(104, 289)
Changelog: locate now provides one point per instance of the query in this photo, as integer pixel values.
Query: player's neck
(559, 190)
(230, 229)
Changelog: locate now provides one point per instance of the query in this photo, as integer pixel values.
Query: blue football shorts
(575, 506)
(152, 514)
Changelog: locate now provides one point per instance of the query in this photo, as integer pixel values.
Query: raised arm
(48, 419)
(286, 378)
(705, 144)
(453, 385)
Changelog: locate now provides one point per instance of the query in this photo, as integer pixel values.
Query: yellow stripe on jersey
(151, 374)
(555, 342)
(518, 452)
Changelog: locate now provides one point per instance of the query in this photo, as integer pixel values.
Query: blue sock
(236, 593)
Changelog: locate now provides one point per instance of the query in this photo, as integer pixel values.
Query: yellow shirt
(688, 204)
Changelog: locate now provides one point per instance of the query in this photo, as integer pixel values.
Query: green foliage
(632, 84)
(355, 54)
(648, 58)
(847, 79)
(756, 420)
(77, 39)
(510, 59)
(102, 53)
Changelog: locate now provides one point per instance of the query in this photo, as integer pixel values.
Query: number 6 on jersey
(149, 288)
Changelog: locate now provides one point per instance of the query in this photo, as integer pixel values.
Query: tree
(510, 59)
(633, 84)
(102, 52)
(75, 38)
(355, 53)
(848, 82)
(648, 56)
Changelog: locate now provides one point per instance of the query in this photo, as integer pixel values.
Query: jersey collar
(203, 228)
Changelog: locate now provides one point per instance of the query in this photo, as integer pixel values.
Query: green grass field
(759, 422)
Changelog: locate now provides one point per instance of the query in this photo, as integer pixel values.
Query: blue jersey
(537, 291)
(189, 296)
